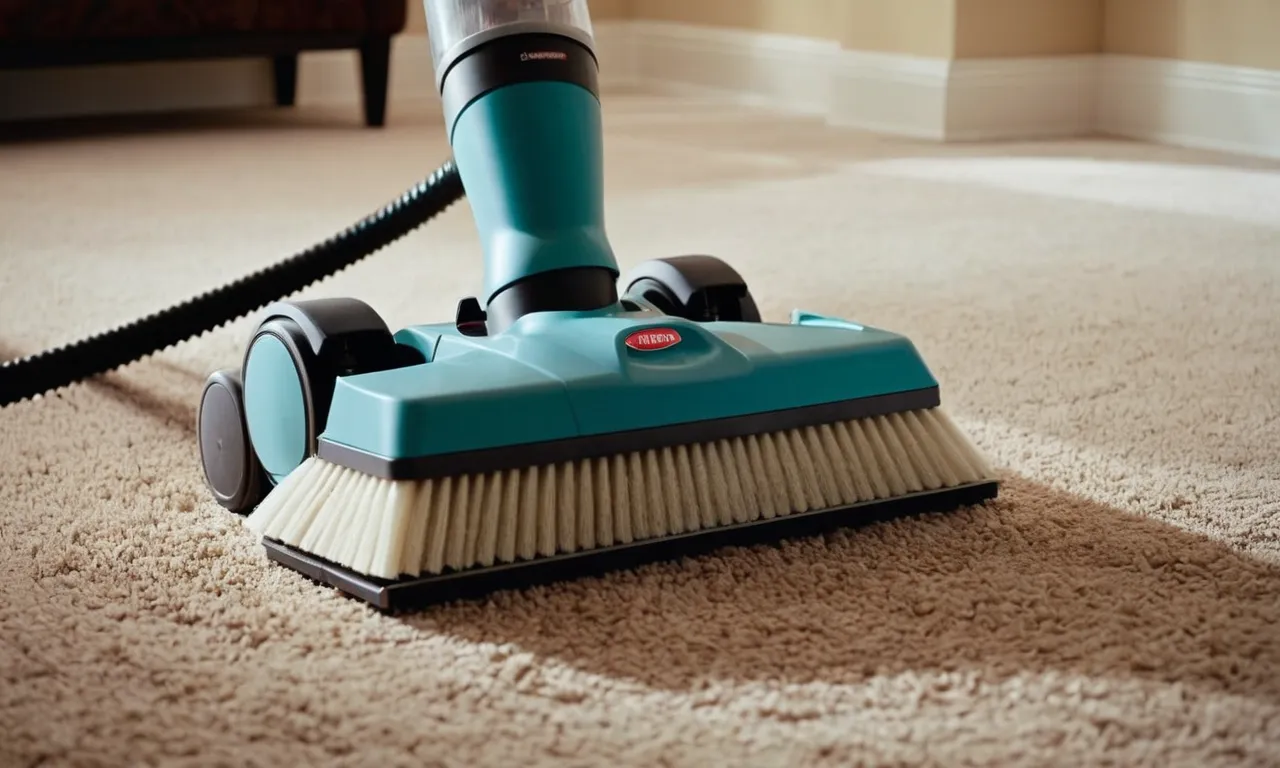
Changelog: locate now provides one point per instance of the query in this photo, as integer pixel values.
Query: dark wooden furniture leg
(286, 71)
(375, 69)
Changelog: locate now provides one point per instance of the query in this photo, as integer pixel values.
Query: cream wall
(610, 9)
(939, 28)
(1009, 28)
(913, 27)
(921, 27)
(1242, 33)
(808, 18)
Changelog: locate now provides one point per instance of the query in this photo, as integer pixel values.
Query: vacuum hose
(56, 368)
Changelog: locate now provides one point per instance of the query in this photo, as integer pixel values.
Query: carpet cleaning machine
(565, 422)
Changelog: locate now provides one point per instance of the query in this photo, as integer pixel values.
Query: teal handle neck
(531, 159)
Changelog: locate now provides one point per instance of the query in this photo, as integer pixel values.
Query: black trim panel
(592, 446)
(415, 593)
(517, 58)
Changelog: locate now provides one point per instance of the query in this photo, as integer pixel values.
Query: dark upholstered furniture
(54, 33)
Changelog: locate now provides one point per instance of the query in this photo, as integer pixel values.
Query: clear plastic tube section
(451, 22)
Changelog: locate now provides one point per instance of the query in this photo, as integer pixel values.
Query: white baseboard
(783, 71)
(1193, 104)
(1019, 99)
(888, 93)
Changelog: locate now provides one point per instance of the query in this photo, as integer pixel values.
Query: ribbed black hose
(56, 368)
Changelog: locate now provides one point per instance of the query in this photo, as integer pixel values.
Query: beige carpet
(1104, 317)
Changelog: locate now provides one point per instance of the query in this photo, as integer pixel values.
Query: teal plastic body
(531, 158)
(553, 376)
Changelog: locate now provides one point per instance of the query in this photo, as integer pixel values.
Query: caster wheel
(231, 470)
(292, 364)
(699, 288)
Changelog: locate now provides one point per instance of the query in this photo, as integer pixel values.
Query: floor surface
(1103, 317)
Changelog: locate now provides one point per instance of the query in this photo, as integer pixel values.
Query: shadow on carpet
(1039, 581)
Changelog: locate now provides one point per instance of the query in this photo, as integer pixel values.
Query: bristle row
(389, 528)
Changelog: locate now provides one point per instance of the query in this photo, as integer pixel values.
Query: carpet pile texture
(1104, 318)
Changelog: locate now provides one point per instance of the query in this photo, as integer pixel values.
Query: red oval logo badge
(653, 339)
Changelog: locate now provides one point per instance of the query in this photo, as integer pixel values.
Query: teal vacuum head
(565, 421)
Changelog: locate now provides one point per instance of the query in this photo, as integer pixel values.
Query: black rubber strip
(57, 368)
(575, 289)
(417, 593)
(577, 448)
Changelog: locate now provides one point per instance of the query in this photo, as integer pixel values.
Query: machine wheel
(231, 470)
(292, 365)
(699, 288)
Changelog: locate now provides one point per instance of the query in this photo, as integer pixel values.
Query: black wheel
(231, 470)
(292, 366)
(699, 288)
